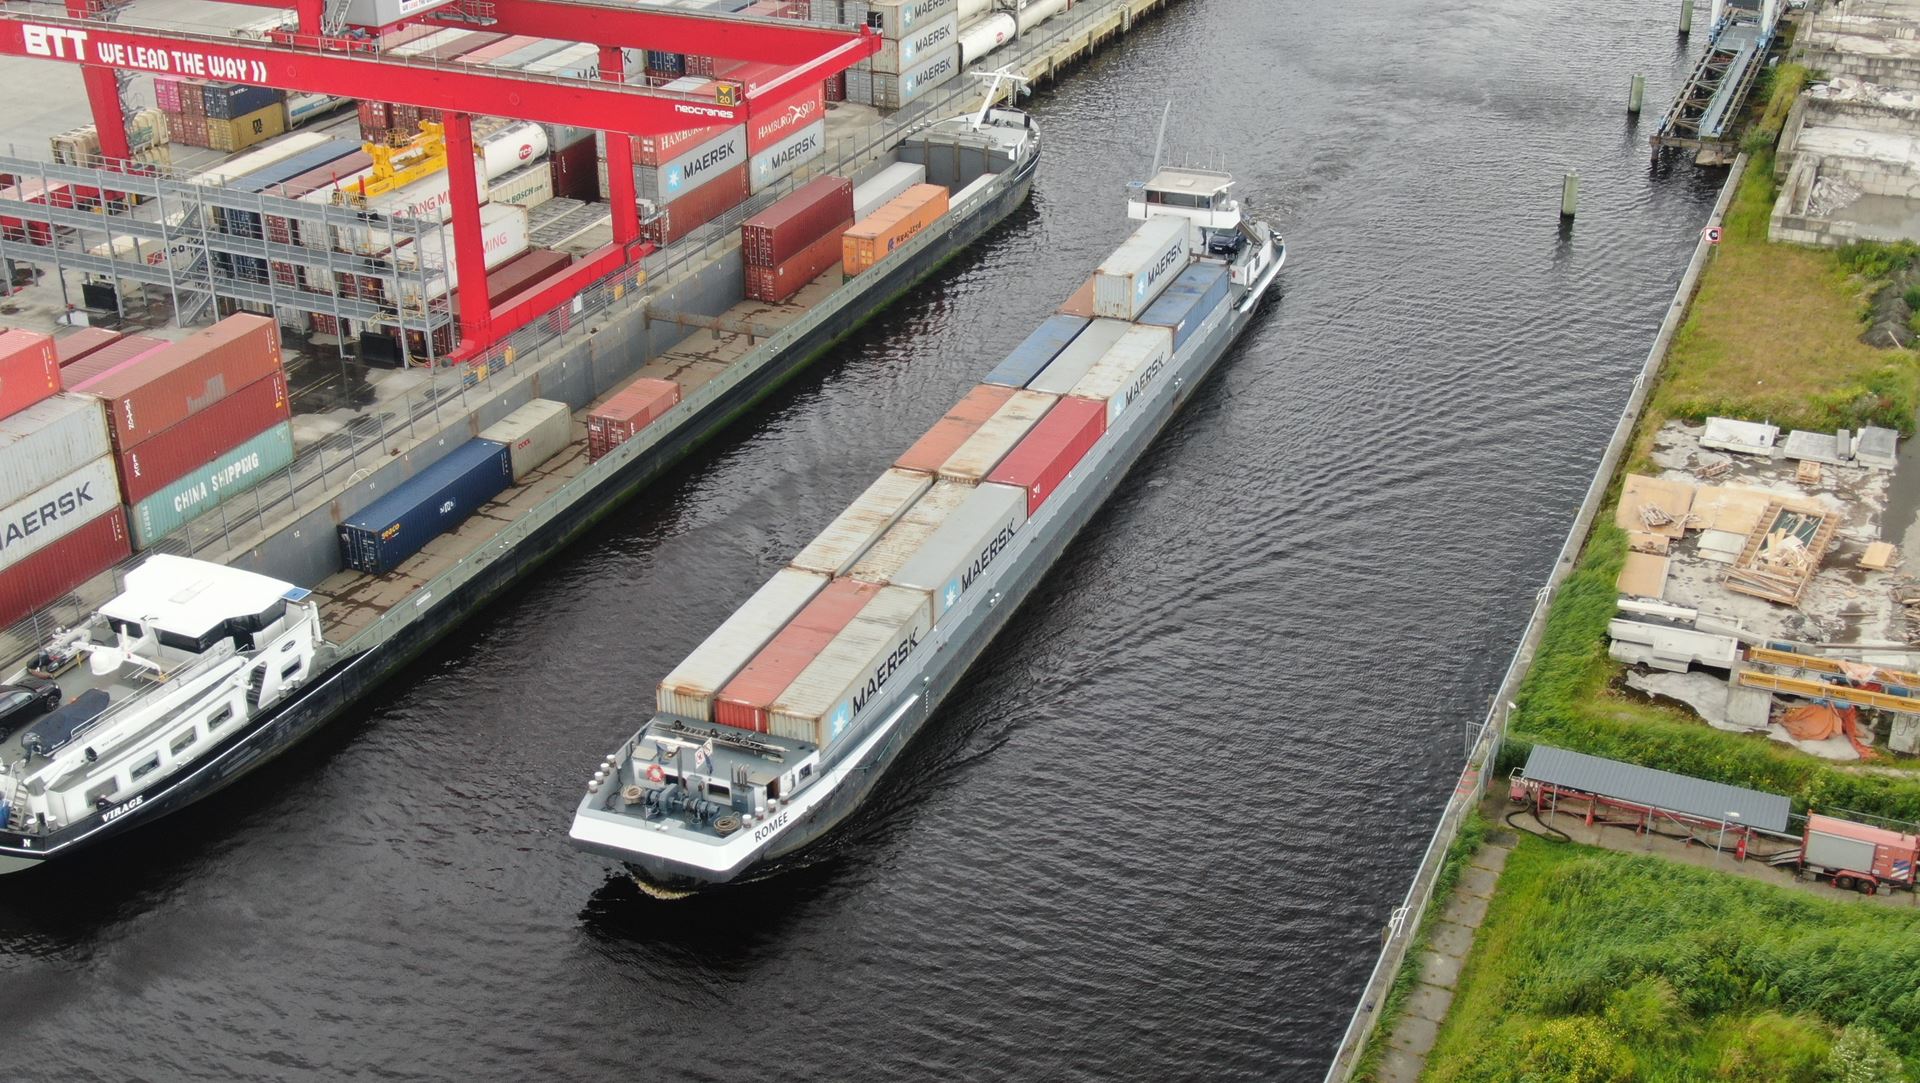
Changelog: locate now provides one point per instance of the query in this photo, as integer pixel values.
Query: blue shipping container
(1038, 351)
(230, 100)
(391, 529)
(1188, 301)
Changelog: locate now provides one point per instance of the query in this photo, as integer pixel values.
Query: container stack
(797, 239)
(220, 116)
(148, 141)
(874, 237)
(920, 50)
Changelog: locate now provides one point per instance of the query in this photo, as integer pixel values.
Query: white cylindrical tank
(973, 9)
(1040, 11)
(985, 36)
(512, 147)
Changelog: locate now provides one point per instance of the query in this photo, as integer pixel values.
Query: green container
(203, 488)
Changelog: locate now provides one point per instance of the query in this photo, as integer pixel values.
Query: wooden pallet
(1746, 578)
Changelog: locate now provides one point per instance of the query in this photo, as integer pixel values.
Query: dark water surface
(1160, 834)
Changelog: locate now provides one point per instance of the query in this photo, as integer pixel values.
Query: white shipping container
(777, 162)
(40, 444)
(1088, 347)
(885, 186)
(904, 538)
(959, 554)
(972, 9)
(260, 158)
(694, 168)
(896, 19)
(1127, 370)
(57, 509)
(529, 187)
(978, 183)
(428, 41)
(850, 679)
(503, 233)
(886, 91)
(688, 691)
(896, 56)
(985, 36)
(533, 434)
(1128, 281)
(304, 108)
(976, 457)
(515, 146)
(846, 539)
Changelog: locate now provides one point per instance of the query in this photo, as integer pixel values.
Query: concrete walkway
(1448, 939)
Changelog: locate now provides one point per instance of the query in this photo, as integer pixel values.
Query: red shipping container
(165, 457)
(743, 703)
(375, 116)
(527, 272)
(193, 100)
(784, 115)
(166, 93)
(107, 359)
(188, 376)
(41, 577)
(658, 150)
(29, 369)
(34, 190)
(796, 221)
(1081, 303)
(929, 453)
(636, 406)
(70, 348)
(836, 88)
(698, 207)
(776, 284)
(1052, 448)
(575, 173)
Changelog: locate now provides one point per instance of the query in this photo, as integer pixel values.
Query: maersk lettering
(932, 75)
(708, 160)
(33, 520)
(884, 672)
(932, 37)
(1179, 249)
(804, 146)
(985, 560)
(1144, 379)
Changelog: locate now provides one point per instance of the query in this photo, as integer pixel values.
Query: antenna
(1160, 141)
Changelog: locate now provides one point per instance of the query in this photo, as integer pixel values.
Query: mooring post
(1569, 194)
(1636, 90)
(1686, 17)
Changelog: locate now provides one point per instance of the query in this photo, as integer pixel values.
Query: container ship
(782, 721)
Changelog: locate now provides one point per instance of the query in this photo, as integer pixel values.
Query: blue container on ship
(1188, 301)
(381, 535)
(1038, 351)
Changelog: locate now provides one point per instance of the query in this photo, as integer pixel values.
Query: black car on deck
(22, 703)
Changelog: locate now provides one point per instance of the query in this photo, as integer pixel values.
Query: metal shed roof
(1657, 789)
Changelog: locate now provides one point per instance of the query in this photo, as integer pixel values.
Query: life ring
(655, 774)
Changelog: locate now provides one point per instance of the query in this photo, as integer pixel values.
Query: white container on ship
(689, 690)
(904, 538)
(960, 553)
(57, 509)
(533, 434)
(969, 10)
(885, 186)
(847, 538)
(528, 187)
(664, 184)
(976, 457)
(986, 35)
(1074, 362)
(902, 54)
(838, 690)
(40, 444)
(1140, 269)
(1127, 369)
(260, 158)
(777, 162)
(896, 19)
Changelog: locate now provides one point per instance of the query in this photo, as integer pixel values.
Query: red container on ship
(781, 281)
(41, 577)
(70, 348)
(929, 453)
(160, 460)
(1052, 448)
(524, 273)
(29, 370)
(797, 221)
(698, 207)
(743, 703)
(106, 359)
(639, 404)
(188, 376)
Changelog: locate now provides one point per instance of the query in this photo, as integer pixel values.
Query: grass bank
(1602, 967)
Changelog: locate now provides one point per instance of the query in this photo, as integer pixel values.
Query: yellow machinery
(399, 163)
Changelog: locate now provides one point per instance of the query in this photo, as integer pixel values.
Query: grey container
(971, 541)
(533, 434)
(1134, 276)
(49, 440)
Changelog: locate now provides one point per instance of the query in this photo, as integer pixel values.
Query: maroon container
(40, 578)
(1052, 448)
(71, 348)
(575, 171)
(156, 462)
(524, 273)
(698, 207)
(788, 227)
(76, 376)
(188, 376)
(633, 408)
(29, 369)
(779, 282)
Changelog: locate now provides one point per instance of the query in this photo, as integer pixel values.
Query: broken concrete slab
(1749, 437)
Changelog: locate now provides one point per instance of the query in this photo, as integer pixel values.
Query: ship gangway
(1707, 109)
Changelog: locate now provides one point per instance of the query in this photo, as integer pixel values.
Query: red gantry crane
(311, 61)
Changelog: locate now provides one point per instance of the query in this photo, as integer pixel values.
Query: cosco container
(903, 53)
(1073, 363)
(871, 240)
(847, 538)
(781, 281)
(855, 673)
(1128, 281)
(796, 221)
(171, 454)
(1037, 351)
(744, 702)
(975, 459)
(886, 186)
(904, 538)
(169, 386)
(1128, 370)
(532, 434)
(206, 486)
(1188, 301)
(972, 540)
(777, 162)
(1048, 454)
(932, 450)
(380, 536)
(675, 220)
(632, 408)
(56, 510)
(40, 579)
(70, 348)
(40, 444)
(29, 369)
(688, 691)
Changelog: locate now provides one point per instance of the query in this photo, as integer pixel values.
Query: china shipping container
(170, 386)
(40, 444)
(973, 460)
(781, 281)
(108, 359)
(1048, 454)
(845, 540)
(959, 555)
(709, 201)
(210, 484)
(378, 537)
(634, 407)
(871, 239)
(904, 538)
(70, 348)
(1127, 369)
(41, 579)
(532, 434)
(171, 454)
(841, 689)
(689, 689)
(933, 448)
(54, 510)
(1188, 301)
(797, 220)
(1129, 280)
(1074, 362)
(29, 369)
(743, 702)
(1037, 351)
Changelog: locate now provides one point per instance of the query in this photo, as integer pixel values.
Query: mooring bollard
(1686, 17)
(1636, 90)
(1569, 194)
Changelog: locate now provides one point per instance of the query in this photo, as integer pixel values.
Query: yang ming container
(1188, 301)
(150, 465)
(973, 539)
(1037, 351)
(206, 486)
(1129, 280)
(1127, 370)
(973, 460)
(743, 703)
(56, 510)
(532, 434)
(904, 538)
(172, 385)
(29, 369)
(1052, 449)
(688, 691)
(42, 443)
(929, 453)
(1066, 370)
(855, 673)
(853, 531)
(378, 537)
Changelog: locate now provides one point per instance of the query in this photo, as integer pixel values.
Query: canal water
(1159, 834)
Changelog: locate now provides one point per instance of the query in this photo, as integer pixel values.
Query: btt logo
(55, 41)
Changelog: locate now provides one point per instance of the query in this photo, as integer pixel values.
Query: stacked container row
(797, 239)
(872, 239)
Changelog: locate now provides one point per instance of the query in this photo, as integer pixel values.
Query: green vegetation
(1600, 967)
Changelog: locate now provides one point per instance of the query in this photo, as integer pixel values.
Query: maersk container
(901, 54)
(973, 460)
(1128, 281)
(204, 488)
(1188, 301)
(779, 119)
(688, 691)
(29, 369)
(39, 579)
(932, 450)
(378, 537)
(1037, 351)
(532, 434)
(55, 510)
(1066, 370)
(853, 531)
(904, 538)
(854, 674)
(886, 186)
(693, 168)
(743, 703)
(777, 162)
(1128, 370)
(889, 91)
(973, 539)
(1042, 462)
(40, 444)
(896, 19)
(150, 465)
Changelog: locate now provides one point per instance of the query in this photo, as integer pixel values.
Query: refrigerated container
(905, 537)
(777, 162)
(29, 369)
(975, 459)
(1129, 280)
(796, 221)
(1037, 351)
(840, 546)
(1189, 300)
(532, 434)
(934, 447)
(42, 578)
(1127, 370)
(689, 690)
(167, 456)
(206, 486)
(831, 696)
(527, 187)
(954, 557)
(55, 510)
(1071, 364)
(744, 700)
(42, 443)
(166, 387)
(1048, 454)
(886, 186)
(379, 537)
(68, 349)
(632, 408)
(870, 240)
